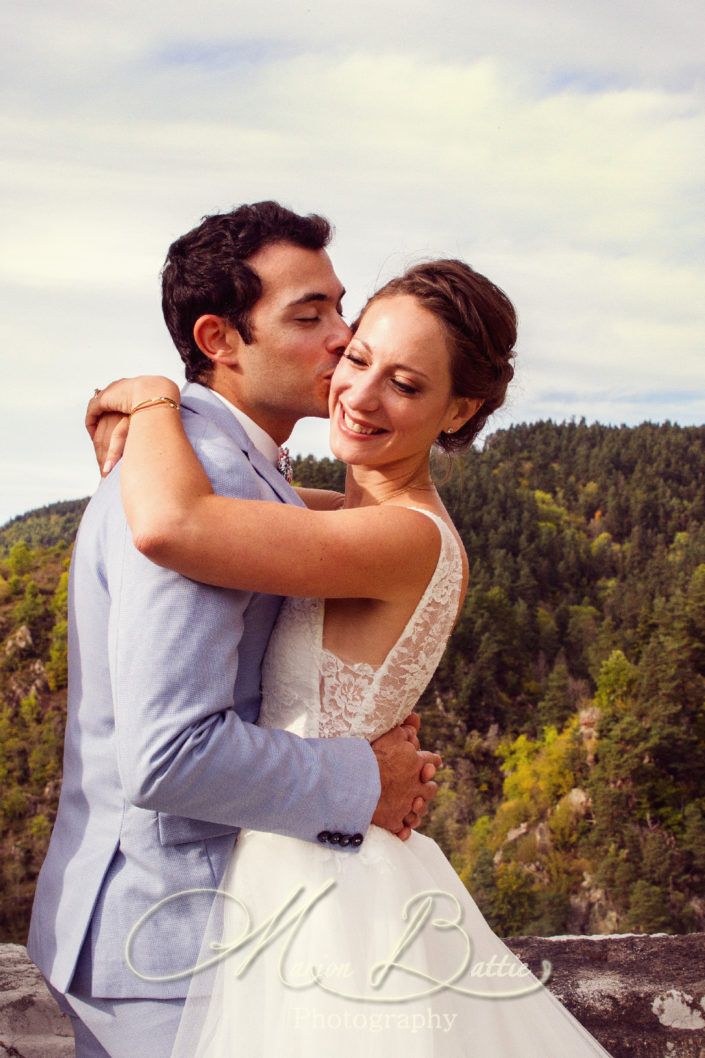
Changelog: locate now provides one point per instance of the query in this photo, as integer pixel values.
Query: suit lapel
(202, 401)
(274, 479)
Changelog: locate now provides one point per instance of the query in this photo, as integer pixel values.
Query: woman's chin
(337, 446)
(343, 449)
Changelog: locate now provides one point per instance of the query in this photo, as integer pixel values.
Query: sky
(558, 147)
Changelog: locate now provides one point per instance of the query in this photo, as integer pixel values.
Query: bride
(314, 951)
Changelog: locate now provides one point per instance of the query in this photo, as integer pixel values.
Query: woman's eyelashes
(353, 358)
(403, 387)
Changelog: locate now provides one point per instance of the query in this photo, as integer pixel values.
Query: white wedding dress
(380, 952)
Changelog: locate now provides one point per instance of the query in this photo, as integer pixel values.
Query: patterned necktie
(284, 463)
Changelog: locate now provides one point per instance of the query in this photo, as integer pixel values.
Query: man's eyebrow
(305, 299)
(402, 367)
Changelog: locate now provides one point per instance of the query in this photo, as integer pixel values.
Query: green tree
(31, 608)
(647, 909)
(19, 559)
(514, 902)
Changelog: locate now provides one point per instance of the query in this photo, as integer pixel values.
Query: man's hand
(406, 774)
(411, 726)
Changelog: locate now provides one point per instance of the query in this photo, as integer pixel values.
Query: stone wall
(31, 1024)
(640, 996)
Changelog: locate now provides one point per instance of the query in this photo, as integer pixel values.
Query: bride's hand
(108, 411)
(109, 440)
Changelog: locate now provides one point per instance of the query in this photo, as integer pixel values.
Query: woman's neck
(370, 486)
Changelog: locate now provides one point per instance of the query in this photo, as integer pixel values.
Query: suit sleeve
(182, 748)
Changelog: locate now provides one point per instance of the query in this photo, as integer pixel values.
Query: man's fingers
(427, 757)
(410, 726)
(404, 768)
(420, 805)
(418, 809)
(390, 738)
(410, 733)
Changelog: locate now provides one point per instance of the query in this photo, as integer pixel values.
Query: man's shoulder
(221, 446)
(224, 459)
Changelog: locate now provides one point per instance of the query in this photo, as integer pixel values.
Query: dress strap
(443, 589)
(446, 531)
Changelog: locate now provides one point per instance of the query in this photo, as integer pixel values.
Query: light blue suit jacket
(163, 761)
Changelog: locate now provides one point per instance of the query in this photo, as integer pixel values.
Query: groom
(163, 760)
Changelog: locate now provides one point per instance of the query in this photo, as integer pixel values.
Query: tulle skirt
(320, 953)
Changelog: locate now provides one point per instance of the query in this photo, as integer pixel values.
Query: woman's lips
(359, 429)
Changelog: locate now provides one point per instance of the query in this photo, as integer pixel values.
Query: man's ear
(217, 339)
(463, 408)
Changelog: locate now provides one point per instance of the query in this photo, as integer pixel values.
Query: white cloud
(557, 148)
(635, 40)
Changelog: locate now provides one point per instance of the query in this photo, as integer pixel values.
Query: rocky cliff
(31, 1025)
(640, 996)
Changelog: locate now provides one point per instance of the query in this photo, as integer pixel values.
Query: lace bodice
(310, 691)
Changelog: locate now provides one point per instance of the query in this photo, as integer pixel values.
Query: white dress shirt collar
(264, 444)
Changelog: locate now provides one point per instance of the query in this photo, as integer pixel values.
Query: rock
(589, 719)
(640, 996)
(697, 905)
(513, 834)
(18, 642)
(37, 673)
(579, 801)
(31, 1024)
(516, 832)
(590, 911)
(544, 842)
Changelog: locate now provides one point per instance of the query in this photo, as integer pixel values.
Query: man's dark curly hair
(206, 271)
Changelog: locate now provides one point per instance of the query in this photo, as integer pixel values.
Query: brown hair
(481, 329)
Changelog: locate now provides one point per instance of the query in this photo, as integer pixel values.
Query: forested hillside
(569, 708)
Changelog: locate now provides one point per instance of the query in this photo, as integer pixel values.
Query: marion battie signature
(431, 910)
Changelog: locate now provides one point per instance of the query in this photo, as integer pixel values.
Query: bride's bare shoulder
(439, 510)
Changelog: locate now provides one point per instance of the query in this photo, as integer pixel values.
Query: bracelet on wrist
(155, 402)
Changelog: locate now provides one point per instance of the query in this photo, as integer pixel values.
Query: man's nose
(339, 337)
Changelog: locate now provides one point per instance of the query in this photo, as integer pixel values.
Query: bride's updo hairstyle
(481, 329)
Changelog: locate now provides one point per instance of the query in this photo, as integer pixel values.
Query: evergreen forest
(569, 707)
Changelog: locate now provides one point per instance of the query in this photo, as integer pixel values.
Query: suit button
(324, 836)
(345, 839)
(356, 840)
(334, 838)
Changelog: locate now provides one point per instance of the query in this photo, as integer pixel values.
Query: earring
(449, 430)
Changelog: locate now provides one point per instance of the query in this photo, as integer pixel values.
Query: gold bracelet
(155, 402)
